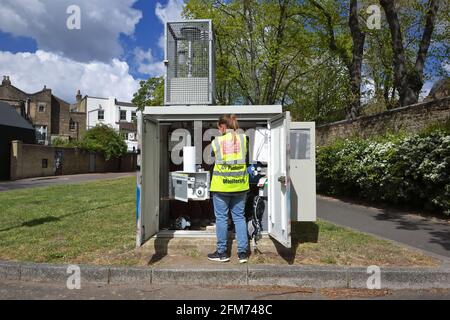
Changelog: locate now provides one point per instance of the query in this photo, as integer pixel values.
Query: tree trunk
(270, 92)
(408, 83)
(358, 38)
(353, 63)
(248, 13)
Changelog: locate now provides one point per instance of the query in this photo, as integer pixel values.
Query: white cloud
(170, 12)
(102, 21)
(146, 63)
(30, 71)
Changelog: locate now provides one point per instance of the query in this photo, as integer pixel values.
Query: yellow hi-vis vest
(230, 170)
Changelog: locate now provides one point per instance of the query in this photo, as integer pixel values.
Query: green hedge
(101, 138)
(396, 169)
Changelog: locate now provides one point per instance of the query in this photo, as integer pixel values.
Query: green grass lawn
(66, 223)
(94, 223)
(324, 243)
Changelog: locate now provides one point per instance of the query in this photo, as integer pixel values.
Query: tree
(321, 94)
(408, 78)
(261, 47)
(150, 93)
(378, 68)
(105, 139)
(353, 58)
(318, 58)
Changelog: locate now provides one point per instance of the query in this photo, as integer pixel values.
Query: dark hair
(230, 120)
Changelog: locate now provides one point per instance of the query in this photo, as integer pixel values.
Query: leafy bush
(397, 169)
(105, 139)
(101, 138)
(59, 142)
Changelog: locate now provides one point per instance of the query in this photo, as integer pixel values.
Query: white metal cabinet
(291, 170)
(303, 171)
(279, 226)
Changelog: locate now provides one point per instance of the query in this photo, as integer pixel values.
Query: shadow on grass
(36, 222)
(47, 219)
(301, 232)
(33, 223)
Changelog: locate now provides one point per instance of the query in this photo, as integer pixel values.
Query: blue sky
(119, 43)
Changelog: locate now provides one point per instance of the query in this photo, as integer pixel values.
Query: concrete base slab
(204, 243)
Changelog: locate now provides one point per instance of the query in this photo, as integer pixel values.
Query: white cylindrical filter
(189, 159)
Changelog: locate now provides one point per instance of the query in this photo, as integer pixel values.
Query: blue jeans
(223, 204)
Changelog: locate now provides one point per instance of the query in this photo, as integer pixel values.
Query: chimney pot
(78, 96)
(6, 80)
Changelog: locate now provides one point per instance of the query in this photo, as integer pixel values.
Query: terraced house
(50, 116)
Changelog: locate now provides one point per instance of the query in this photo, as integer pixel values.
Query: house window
(72, 125)
(133, 116)
(41, 134)
(41, 107)
(123, 115)
(101, 114)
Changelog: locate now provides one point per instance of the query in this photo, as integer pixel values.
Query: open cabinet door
(303, 171)
(147, 188)
(279, 182)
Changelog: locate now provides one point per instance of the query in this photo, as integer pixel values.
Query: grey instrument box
(185, 186)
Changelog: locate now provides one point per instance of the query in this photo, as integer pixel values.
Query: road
(13, 290)
(53, 180)
(428, 234)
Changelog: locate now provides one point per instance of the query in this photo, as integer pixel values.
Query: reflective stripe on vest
(230, 173)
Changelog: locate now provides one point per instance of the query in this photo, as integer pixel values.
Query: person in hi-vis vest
(229, 186)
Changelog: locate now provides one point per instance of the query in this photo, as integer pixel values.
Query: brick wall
(32, 160)
(411, 118)
(42, 118)
(80, 119)
(56, 114)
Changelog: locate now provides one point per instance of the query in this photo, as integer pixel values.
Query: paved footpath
(43, 290)
(66, 179)
(427, 234)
